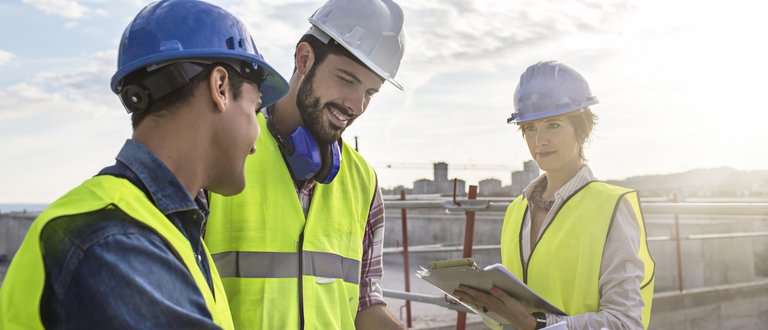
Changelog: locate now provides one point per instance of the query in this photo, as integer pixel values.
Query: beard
(313, 115)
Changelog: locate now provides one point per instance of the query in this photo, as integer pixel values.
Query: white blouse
(622, 270)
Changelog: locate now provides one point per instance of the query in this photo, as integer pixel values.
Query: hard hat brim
(553, 113)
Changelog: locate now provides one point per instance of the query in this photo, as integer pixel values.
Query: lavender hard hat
(548, 89)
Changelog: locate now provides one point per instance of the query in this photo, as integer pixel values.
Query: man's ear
(305, 58)
(218, 83)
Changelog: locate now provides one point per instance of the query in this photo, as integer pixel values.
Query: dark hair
(322, 50)
(185, 92)
(583, 123)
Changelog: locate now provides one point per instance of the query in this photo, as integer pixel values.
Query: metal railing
(648, 208)
(471, 205)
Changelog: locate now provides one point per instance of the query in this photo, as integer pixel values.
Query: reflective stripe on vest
(286, 264)
(564, 266)
(23, 286)
(265, 228)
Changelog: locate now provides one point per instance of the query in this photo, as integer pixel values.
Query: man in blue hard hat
(124, 249)
(300, 247)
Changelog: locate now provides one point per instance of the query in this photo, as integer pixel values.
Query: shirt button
(197, 256)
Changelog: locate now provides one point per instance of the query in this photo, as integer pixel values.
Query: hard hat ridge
(548, 89)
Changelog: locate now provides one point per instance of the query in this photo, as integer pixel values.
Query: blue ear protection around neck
(306, 158)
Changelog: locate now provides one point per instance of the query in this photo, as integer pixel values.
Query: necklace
(536, 199)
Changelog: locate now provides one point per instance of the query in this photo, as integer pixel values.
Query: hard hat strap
(171, 78)
(137, 97)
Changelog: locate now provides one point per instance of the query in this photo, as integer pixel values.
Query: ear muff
(330, 165)
(305, 157)
(135, 98)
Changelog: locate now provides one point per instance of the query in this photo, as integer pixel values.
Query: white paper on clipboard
(448, 277)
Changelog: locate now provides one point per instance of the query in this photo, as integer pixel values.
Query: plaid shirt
(372, 267)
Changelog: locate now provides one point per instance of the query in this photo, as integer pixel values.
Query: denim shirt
(105, 270)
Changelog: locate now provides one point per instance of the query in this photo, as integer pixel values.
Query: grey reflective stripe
(286, 265)
(322, 264)
(257, 264)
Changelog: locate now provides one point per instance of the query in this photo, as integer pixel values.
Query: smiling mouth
(337, 117)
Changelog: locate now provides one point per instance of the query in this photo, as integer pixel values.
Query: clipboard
(447, 275)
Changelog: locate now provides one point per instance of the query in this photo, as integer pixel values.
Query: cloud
(5, 57)
(276, 26)
(488, 33)
(64, 8)
(85, 90)
(25, 100)
(456, 35)
(139, 3)
(101, 66)
(22, 92)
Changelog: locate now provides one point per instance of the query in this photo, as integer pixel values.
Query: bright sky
(679, 84)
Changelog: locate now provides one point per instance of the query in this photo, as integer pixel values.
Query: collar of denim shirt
(167, 193)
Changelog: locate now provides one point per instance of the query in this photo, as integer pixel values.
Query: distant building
(531, 168)
(423, 186)
(521, 179)
(396, 190)
(441, 172)
(441, 185)
(490, 187)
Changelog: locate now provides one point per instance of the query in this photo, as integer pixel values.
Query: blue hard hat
(189, 30)
(549, 89)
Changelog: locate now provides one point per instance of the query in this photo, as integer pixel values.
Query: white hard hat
(372, 30)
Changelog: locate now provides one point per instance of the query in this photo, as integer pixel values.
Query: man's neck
(178, 148)
(285, 115)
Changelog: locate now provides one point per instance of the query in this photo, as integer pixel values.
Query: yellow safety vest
(279, 268)
(23, 286)
(564, 266)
